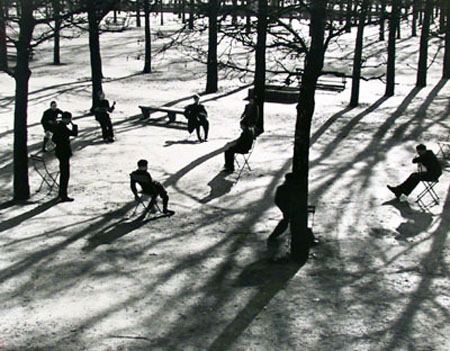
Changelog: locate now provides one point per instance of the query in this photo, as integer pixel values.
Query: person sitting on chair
(432, 173)
(149, 187)
(102, 110)
(63, 151)
(251, 113)
(48, 121)
(283, 200)
(241, 145)
(197, 117)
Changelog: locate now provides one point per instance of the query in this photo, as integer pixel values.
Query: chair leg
(428, 190)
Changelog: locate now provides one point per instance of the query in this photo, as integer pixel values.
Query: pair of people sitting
(149, 187)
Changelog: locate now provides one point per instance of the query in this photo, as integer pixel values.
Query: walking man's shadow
(219, 186)
(417, 221)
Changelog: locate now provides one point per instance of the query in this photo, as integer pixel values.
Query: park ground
(90, 275)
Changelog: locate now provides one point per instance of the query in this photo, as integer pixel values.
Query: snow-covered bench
(171, 111)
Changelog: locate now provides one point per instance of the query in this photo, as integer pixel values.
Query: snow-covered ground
(89, 276)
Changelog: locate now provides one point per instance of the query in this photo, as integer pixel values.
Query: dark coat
(283, 196)
(251, 114)
(101, 109)
(49, 117)
(61, 137)
(430, 162)
(244, 143)
(145, 181)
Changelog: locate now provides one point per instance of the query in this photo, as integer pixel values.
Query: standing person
(102, 110)
(63, 151)
(283, 199)
(251, 113)
(197, 117)
(241, 145)
(149, 187)
(48, 121)
(433, 171)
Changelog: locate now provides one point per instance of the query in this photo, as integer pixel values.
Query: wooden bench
(117, 25)
(171, 111)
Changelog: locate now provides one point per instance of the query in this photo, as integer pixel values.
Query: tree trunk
(161, 13)
(22, 75)
(3, 46)
(414, 18)
(390, 71)
(305, 110)
(382, 19)
(446, 66)
(148, 39)
(357, 59)
(94, 50)
(248, 18)
(56, 48)
(348, 19)
(212, 76)
(423, 51)
(191, 14)
(260, 63)
(138, 13)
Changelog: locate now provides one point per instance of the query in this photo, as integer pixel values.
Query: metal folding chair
(147, 208)
(444, 148)
(48, 178)
(245, 161)
(427, 197)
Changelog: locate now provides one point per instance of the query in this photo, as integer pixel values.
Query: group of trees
(259, 25)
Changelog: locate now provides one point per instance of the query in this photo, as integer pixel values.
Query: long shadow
(15, 221)
(117, 230)
(270, 279)
(430, 263)
(219, 186)
(417, 221)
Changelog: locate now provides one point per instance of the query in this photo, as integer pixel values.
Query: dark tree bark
(3, 46)
(248, 18)
(415, 12)
(390, 71)
(191, 14)
(94, 50)
(161, 12)
(305, 110)
(357, 59)
(446, 66)
(22, 75)
(56, 48)
(348, 19)
(260, 63)
(148, 39)
(212, 75)
(382, 19)
(423, 51)
(138, 13)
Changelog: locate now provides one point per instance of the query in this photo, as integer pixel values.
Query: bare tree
(148, 39)
(390, 71)
(3, 45)
(212, 74)
(446, 65)
(423, 51)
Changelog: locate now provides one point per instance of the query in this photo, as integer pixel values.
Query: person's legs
(64, 175)
(229, 159)
(280, 228)
(109, 128)
(411, 182)
(104, 128)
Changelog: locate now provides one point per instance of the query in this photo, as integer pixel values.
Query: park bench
(116, 24)
(171, 111)
(287, 94)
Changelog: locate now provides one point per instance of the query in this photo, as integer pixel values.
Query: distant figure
(102, 110)
(241, 145)
(251, 113)
(63, 151)
(433, 171)
(48, 121)
(149, 187)
(283, 199)
(197, 117)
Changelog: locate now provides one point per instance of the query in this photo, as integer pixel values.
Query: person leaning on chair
(197, 117)
(432, 173)
(63, 151)
(241, 145)
(48, 121)
(149, 187)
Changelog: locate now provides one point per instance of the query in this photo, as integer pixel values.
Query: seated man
(433, 171)
(197, 117)
(149, 187)
(48, 121)
(241, 145)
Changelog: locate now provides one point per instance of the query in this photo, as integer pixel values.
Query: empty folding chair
(48, 178)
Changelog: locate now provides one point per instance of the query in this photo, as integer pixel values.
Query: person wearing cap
(197, 117)
(48, 121)
(63, 151)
